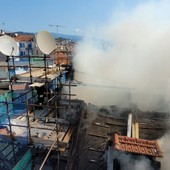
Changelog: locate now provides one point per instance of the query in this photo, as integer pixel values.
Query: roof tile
(20, 86)
(24, 38)
(138, 146)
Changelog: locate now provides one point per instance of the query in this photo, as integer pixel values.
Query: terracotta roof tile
(61, 58)
(138, 146)
(20, 86)
(24, 38)
(4, 131)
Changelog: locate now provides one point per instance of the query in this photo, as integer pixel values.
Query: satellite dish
(46, 42)
(8, 46)
(2, 57)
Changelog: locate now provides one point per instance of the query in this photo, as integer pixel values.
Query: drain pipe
(129, 126)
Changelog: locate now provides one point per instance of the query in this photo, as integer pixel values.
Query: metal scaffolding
(45, 114)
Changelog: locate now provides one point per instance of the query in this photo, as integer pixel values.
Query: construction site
(44, 126)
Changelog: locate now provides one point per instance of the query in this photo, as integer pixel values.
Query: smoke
(164, 143)
(129, 60)
(128, 161)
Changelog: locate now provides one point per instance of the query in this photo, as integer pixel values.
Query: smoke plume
(164, 143)
(129, 60)
(129, 163)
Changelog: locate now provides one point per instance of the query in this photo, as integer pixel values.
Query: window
(116, 164)
(21, 45)
(21, 53)
(30, 45)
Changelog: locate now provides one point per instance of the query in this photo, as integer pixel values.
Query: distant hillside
(24, 33)
(71, 37)
(55, 35)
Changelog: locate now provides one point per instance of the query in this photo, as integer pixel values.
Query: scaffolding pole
(48, 154)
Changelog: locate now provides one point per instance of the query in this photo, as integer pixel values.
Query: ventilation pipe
(129, 128)
(136, 129)
(133, 129)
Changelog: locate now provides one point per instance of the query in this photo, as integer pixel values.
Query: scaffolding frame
(51, 105)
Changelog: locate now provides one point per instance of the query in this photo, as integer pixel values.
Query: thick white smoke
(129, 163)
(131, 64)
(129, 60)
(164, 143)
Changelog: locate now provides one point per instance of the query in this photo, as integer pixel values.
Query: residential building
(26, 45)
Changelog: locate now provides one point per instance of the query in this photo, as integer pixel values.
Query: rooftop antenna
(3, 24)
(57, 26)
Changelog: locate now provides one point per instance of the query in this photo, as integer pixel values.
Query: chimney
(132, 127)
(129, 126)
(137, 129)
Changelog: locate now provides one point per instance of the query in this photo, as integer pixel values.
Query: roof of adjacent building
(61, 58)
(137, 146)
(3, 91)
(36, 84)
(20, 86)
(4, 131)
(38, 75)
(24, 38)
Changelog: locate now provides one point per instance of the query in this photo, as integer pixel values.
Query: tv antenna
(57, 26)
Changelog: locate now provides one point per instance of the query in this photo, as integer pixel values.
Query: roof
(61, 58)
(138, 146)
(36, 84)
(4, 85)
(3, 91)
(59, 54)
(4, 131)
(20, 86)
(24, 38)
(38, 74)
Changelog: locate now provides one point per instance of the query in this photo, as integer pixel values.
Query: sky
(75, 15)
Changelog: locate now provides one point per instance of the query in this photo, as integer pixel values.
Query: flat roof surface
(52, 73)
(3, 91)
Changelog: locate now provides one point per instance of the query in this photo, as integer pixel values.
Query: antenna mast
(57, 26)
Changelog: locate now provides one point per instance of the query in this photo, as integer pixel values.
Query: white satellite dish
(46, 42)
(8, 46)
(2, 57)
